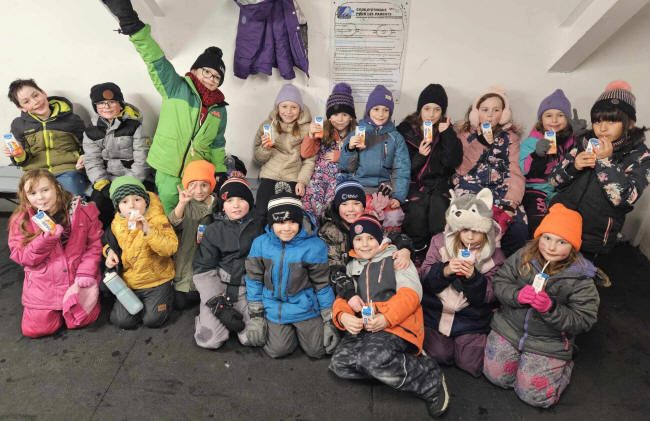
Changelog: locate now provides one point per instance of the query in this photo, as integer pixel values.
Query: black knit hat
(434, 93)
(366, 224)
(236, 187)
(617, 96)
(340, 101)
(349, 190)
(106, 91)
(212, 58)
(284, 206)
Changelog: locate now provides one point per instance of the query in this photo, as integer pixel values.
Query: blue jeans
(74, 182)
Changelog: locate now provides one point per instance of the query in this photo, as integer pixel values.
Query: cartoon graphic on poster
(368, 45)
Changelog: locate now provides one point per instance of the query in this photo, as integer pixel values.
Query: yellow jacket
(147, 259)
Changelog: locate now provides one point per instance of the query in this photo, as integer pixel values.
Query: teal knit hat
(127, 185)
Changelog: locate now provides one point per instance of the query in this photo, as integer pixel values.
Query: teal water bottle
(123, 293)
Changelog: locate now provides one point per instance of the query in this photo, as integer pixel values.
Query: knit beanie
(340, 101)
(556, 101)
(366, 224)
(289, 92)
(199, 171)
(211, 58)
(284, 207)
(434, 93)
(507, 112)
(349, 190)
(106, 91)
(563, 222)
(618, 95)
(236, 187)
(380, 96)
(124, 186)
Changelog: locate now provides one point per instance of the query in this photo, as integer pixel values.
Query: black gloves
(127, 17)
(541, 147)
(343, 284)
(226, 313)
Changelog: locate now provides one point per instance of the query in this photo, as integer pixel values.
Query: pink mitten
(542, 302)
(502, 218)
(379, 203)
(526, 295)
(58, 230)
(85, 281)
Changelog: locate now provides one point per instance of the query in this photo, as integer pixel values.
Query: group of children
(413, 239)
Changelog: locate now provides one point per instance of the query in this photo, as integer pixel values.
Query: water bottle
(123, 293)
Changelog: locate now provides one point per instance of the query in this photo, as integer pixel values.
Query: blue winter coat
(270, 35)
(385, 159)
(290, 278)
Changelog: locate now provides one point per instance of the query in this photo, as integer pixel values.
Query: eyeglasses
(209, 75)
(105, 104)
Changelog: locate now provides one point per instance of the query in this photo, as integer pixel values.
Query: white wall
(466, 45)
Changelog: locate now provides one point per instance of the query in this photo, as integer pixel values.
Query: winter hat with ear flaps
(506, 117)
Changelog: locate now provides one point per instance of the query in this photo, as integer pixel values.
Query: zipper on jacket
(46, 141)
(280, 294)
(522, 340)
(607, 230)
(191, 142)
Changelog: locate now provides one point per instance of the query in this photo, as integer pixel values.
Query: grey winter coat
(117, 148)
(575, 308)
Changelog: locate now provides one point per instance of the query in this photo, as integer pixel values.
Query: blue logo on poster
(344, 12)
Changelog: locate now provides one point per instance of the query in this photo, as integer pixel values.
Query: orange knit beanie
(199, 171)
(563, 222)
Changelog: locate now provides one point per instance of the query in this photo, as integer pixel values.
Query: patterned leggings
(538, 380)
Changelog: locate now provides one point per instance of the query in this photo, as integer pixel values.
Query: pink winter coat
(50, 267)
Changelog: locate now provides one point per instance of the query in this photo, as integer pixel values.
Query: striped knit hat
(349, 190)
(618, 95)
(124, 186)
(340, 101)
(236, 187)
(284, 206)
(366, 224)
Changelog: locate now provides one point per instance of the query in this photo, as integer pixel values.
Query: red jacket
(50, 267)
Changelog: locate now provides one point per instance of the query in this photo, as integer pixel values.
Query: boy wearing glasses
(49, 134)
(113, 145)
(193, 113)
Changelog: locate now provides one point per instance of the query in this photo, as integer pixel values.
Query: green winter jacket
(54, 143)
(180, 138)
(552, 334)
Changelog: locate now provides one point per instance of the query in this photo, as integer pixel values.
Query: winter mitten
(102, 185)
(502, 218)
(226, 313)
(127, 17)
(343, 284)
(85, 281)
(379, 202)
(385, 189)
(330, 335)
(579, 125)
(541, 147)
(256, 328)
(58, 230)
(526, 295)
(542, 302)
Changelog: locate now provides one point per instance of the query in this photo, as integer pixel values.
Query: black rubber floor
(103, 373)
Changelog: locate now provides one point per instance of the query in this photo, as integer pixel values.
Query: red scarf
(208, 97)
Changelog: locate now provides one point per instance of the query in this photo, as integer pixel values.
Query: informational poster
(368, 45)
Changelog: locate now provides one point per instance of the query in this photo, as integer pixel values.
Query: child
(490, 159)
(62, 265)
(433, 162)
(385, 344)
(457, 282)
(219, 267)
(193, 114)
(347, 206)
(113, 145)
(382, 156)
(341, 120)
(50, 135)
(287, 285)
(194, 208)
(536, 158)
(604, 185)
(530, 347)
(143, 242)
(278, 155)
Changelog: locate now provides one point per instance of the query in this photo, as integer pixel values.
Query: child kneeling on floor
(547, 297)
(287, 283)
(142, 241)
(61, 262)
(385, 344)
(219, 267)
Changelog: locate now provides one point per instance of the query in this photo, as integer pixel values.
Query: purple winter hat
(340, 101)
(380, 96)
(289, 92)
(556, 101)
